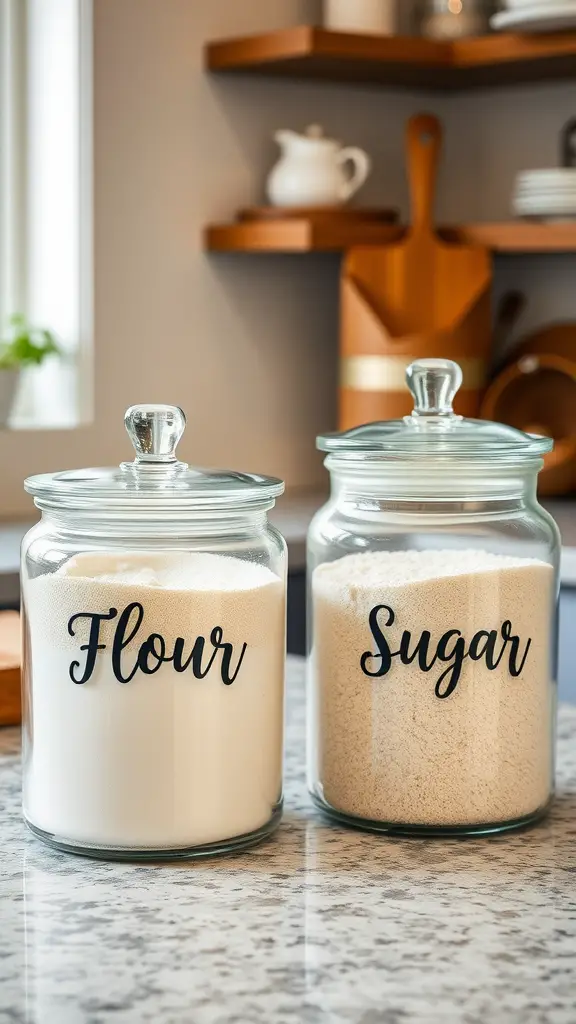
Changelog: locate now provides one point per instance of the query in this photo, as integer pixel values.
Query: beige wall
(247, 345)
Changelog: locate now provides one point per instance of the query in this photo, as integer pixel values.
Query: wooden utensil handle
(424, 142)
(568, 155)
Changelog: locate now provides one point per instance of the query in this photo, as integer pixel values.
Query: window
(45, 198)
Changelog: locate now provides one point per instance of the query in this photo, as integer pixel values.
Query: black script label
(451, 650)
(198, 656)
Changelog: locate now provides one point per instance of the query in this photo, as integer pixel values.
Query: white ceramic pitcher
(311, 171)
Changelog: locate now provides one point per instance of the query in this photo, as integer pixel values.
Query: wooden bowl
(537, 393)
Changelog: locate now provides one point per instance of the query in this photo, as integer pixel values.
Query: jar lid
(156, 481)
(434, 430)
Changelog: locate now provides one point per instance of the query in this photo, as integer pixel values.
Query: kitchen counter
(318, 926)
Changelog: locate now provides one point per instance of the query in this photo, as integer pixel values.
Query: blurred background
(120, 146)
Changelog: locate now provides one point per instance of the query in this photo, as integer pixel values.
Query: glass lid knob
(434, 384)
(155, 431)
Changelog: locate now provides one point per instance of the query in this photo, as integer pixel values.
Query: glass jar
(433, 627)
(154, 601)
(454, 19)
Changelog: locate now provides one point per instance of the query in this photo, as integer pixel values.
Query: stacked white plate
(536, 16)
(546, 194)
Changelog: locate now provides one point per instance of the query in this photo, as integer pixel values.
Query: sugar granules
(388, 749)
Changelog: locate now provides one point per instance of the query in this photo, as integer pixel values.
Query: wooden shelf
(297, 236)
(405, 61)
(300, 236)
(517, 236)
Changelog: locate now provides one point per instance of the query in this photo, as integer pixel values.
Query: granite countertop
(318, 926)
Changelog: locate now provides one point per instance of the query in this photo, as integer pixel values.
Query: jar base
(429, 831)
(221, 848)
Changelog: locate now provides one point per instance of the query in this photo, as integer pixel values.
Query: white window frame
(46, 221)
(12, 185)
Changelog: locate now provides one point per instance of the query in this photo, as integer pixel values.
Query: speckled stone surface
(319, 926)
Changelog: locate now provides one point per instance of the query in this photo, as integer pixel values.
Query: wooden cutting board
(422, 284)
(10, 654)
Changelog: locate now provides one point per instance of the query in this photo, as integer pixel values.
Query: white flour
(389, 748)
(165, 760)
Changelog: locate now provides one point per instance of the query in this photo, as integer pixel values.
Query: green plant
(24, 345)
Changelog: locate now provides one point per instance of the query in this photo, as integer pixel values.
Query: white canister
(372, 16)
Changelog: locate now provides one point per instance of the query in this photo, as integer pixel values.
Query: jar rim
(106, 491)
(441, 452)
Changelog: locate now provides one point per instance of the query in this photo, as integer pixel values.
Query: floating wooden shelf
(297, 236)
(300, 236)
(517, 236)
(316, 53)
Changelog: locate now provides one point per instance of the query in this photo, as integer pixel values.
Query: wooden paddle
(422, 284)
(416, 298)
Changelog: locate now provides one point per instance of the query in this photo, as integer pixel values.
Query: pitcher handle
(362, 167)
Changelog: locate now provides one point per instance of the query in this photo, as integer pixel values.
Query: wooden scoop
(417, 298)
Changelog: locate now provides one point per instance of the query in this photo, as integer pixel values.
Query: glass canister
(454, 19)
(433, 623)
(154, 607)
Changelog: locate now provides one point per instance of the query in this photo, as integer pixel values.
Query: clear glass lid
(434, 430)
(156, 479)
